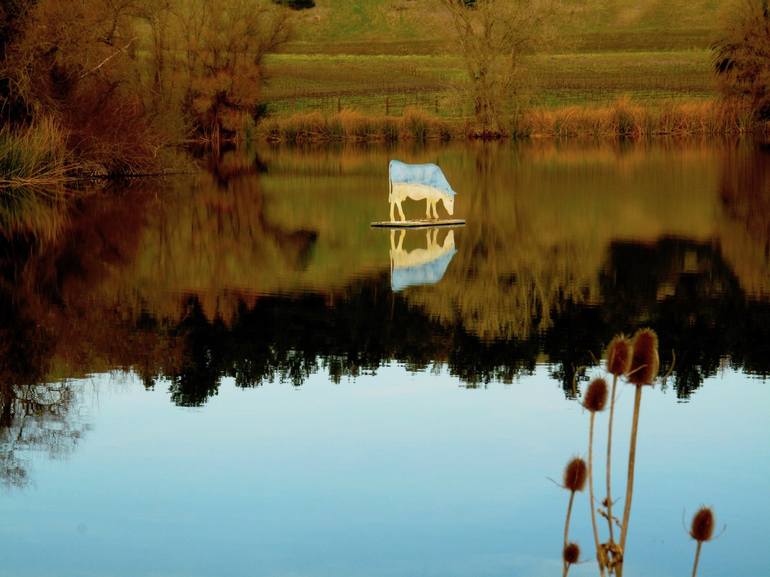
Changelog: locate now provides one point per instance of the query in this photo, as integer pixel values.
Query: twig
(110, 57)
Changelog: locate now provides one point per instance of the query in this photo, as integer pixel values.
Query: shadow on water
(264, 268)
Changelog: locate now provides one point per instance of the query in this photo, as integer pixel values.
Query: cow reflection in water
(421, 266)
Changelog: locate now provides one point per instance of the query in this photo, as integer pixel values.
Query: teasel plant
(574, 481)
(594, 401)
(643, 370)
(701, 530)
(619, 353)
(645, 364)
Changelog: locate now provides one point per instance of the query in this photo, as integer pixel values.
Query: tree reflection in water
(35, 415)
(243, 272)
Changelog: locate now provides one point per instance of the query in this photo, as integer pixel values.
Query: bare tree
(226, 44)
(742, 55)
(493, 36)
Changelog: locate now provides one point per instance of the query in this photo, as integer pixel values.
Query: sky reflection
(400, 474)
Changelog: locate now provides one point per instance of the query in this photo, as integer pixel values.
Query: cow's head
(449, 204)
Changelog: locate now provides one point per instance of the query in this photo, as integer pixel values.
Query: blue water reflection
(399, 474)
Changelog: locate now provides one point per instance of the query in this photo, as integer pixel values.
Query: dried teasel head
(595, 398)
(644, 360)
(619, 356)
(575, 474)
(571, 553)
(702, 528)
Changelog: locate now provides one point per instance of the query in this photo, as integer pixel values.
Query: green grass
(376, 83)
(35, 156)
(601, 24)
(379, 56)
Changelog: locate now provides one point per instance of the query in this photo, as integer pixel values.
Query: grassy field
(381, 56)
(388, 83)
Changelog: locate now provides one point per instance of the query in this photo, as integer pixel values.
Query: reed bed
(35, 157)
(627, 119)
(352, 126)
(622, 119)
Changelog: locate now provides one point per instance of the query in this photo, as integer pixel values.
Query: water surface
(232, 374)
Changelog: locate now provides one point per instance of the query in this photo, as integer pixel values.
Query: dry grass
(625, 118)
(34, 157)
(622, 119)
(352, 126)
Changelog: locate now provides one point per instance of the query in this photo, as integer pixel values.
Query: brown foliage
(74, 62)
(742, 53)
(224, 44)
(493, 36)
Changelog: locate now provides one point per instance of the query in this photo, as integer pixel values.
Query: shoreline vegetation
(38, 156)
(110, 91)
(624, 119)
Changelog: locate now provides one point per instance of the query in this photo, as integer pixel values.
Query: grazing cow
(419, 182)
(421, 266)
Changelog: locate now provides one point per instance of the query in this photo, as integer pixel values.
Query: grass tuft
(34, 157)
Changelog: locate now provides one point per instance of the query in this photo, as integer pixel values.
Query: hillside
(416, 26)
(380, 56)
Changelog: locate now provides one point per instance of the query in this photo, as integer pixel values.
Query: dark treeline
(707, 322)
(705, 319)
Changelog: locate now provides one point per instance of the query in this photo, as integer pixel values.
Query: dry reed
(34, 157)
(350, 125)
(627, 119)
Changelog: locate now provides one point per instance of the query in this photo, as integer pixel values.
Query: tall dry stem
(631, 467)
(610, 520)
(599, 553)
(697, 558)
(566, 530)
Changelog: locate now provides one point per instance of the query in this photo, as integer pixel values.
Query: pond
(231, 373)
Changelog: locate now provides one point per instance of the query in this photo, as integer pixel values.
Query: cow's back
(425, 174)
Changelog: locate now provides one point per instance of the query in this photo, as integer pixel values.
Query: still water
(231, 373)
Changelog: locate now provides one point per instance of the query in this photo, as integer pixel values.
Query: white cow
(419, 182)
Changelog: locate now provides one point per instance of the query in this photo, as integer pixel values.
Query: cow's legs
(427, 208)
(401, 236)
(400, 211)
(435, 210)
(392, 211)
